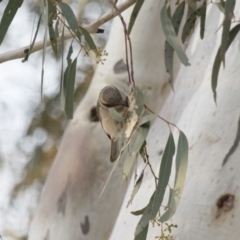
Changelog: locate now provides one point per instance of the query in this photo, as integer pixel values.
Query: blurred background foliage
(47, 121)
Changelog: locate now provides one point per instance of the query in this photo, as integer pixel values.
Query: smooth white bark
(211, 131)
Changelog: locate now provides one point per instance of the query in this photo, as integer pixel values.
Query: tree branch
(91, 28)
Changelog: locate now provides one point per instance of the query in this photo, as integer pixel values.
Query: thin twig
(127, 39)
(149, 164)
(169, 123)
(91, 28)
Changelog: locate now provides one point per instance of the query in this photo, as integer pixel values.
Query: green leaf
(44, 7)
(138, 95)
(142, 235)
(56, 28)
(164, 174)
(62, 93)
(171, 208)
(189, 26)
(68, 84)
(203, 18)
(172, 37)
(70, 90)
(8, 15)
(34, 39)
(88, 38)
(218, 59)
(136, 188)
(141, 135)
(138, 212)
(71, 19)
(229, 7)
(221, 6)
(134, 14)
(144, 220)
(51, 16)
(147, 118)
(168, 53)
(192, 4)
(181, 169)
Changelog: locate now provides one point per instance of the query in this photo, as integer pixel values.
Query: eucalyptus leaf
(138, 212)
(168, 53)
(142, 235)
(217, 62)
(62, 94)
(189, 26)
(52, 16)
(171, 36)
(164, 175)
(181, 170)
(134, 148)
(146, 217)
(203, 18)
(88, 38)
(71, 19)
(229, 7)
(70, 90)
(134, 14)
(147, 118)
(8, 15)
(192, 4)
(136, 188)
(45, 15)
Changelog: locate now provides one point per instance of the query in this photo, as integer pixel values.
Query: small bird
(111, 97)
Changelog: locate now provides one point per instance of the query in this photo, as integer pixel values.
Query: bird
(112, 97)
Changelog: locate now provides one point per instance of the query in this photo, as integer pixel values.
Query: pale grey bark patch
(85, 226)
(234, 146)
(120, 67)
(47, 235)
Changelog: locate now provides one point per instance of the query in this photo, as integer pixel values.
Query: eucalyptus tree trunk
(69, 206)
(209, 208)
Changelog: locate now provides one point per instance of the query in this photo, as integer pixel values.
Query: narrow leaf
(221, 7)
(45, 14)
(51, 16)
(138, 212)
(88, 38)
(229, 7)
(71, 19)
(171, 36)
(8, 15)
(203, 18)
(181, 169)
(218, 59)
(192, 4)
(164, 174)
(62, 93)
(189, 26)
(34, 39)
(168, 53)
(70, 90)
(134, 14)
(141, 135)
(147, 118)
(142, 235)
(136, 188)
(144, 220)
